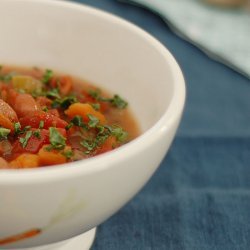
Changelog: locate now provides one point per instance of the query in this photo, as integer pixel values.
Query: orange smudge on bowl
(22, 236)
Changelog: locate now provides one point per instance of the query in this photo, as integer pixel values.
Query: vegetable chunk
(84, 110)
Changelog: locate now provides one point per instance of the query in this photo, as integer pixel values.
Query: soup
(48, 118)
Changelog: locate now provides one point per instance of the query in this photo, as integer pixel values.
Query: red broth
(48, 118)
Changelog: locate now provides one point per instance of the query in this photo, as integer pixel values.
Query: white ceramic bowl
(67, 200)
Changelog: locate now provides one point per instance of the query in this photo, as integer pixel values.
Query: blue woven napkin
(198, 200)
(224, 34)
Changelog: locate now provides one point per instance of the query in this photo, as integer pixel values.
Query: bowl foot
(80, 242)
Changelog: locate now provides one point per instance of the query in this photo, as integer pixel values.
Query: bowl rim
(89, 166)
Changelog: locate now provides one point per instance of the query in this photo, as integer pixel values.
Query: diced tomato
(7, 111)
(43, 101)
(7, 115)
(5, 147)
(34, 143)
(64, 84)
(54, 112)
(53, 82)
(12, 94)
(23, 104)
(33, 119)
(4, 91)
(87, 97)
(62, 131)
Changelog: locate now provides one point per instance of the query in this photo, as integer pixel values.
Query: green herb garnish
(41, 124)
(37, 133)
(18, 130)
(104, 132)
(47, 76)
(65, 102)
(45, 109)
(68, 154)
(53, 93)
(96, 106)
(57, 141)
(24, 140)
(116, 101)
(4, 132)
(77, 121)
(90, 145)
(118, 133)
(93, 121)
(7, 78)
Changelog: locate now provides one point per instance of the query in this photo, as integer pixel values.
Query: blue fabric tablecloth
(200, 196)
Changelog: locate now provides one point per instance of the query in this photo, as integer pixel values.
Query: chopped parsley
(47, 76)
(24, 140)
(45, 109)
(103, 133)
(77, 121)
(93, 121)
(53, 93)
(4, 132)
(37, 133)
(118, 133)
(65, 102)
(90, 145)
(116, 101)
(57, 141)
(96, 106)
(18, 130)
(41, 124)
(7, 78)
(68, 154)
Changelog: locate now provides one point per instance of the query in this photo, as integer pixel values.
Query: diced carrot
(3, 163)
(25, 161)
(83, 110)
(50, 157)
(108, 145)
(87, 98)
(5, 122)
